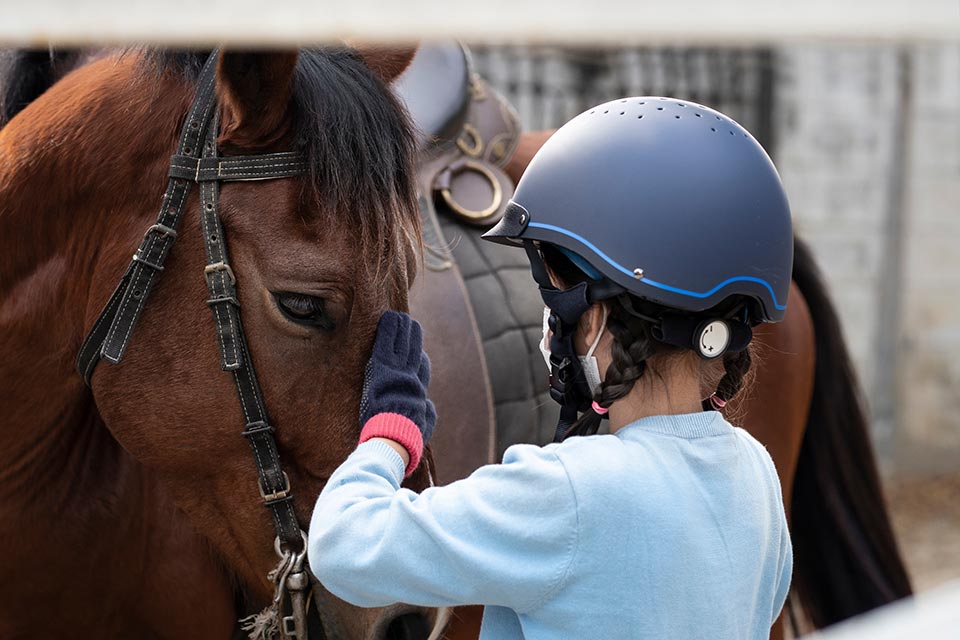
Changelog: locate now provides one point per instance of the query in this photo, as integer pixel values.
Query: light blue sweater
(671, 528)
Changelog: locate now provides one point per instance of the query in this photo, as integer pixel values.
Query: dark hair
(356, 137)
(633, 345)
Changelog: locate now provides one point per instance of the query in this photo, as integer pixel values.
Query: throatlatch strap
(89, 354)
(122, 316)
(110, 335)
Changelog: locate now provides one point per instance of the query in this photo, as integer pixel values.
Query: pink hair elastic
(597, 409)
(717, 403)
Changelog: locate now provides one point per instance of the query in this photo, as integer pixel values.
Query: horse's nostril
(409, 626)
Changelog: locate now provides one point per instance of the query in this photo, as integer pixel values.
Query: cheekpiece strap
(235, 355)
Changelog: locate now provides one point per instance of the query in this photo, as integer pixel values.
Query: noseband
(196, 160)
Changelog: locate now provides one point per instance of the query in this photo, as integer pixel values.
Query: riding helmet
(672, 201)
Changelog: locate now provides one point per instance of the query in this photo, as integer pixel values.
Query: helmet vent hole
(696, 114)
(731, 133)
(640, 117)
(714, 129)
(659, 108)
(677, 117)
(642, 103)
(607, 111)
(622, 112)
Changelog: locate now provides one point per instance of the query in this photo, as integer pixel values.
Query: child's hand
(394, 403)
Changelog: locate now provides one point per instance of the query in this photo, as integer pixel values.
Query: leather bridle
(196, 160)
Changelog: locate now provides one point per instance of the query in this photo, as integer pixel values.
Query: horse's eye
(303, 309)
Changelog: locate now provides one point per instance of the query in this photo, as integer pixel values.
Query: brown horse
(803, 406)
(131, 509)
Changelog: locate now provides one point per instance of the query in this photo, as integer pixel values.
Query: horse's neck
(87, 531)
(67, 193)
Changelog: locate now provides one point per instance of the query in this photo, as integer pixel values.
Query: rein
(196, 160)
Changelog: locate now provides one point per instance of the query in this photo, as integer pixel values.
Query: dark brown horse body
(132, 511)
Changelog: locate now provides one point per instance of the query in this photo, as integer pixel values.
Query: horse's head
(317, 259)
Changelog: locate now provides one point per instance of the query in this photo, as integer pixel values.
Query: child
(659, 234)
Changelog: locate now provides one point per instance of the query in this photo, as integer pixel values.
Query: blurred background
(867, 140)
(857, 103)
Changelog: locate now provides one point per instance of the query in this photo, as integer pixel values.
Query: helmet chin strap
(568, 384)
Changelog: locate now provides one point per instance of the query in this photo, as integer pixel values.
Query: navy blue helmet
(672, 201)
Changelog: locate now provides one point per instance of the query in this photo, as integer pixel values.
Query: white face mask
(591, 370)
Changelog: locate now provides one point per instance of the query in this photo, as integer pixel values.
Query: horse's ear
(254, 88)
(386, 61)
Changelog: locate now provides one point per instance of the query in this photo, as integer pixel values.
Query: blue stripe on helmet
(653, 283)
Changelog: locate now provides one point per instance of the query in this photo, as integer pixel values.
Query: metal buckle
(165, 232)
(220, 266)
(256, 427)
(281, 494)
(163, 229)
(222, 299)
(146, 263)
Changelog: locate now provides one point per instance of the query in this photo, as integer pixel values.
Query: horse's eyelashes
(304, 309)
(301, 306)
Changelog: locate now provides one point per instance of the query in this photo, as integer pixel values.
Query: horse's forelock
(359, 147)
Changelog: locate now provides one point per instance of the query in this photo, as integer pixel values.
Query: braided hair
(736, 366)
(632, 346)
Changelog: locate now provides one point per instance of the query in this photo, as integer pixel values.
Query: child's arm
(785, 572)
(505, 536)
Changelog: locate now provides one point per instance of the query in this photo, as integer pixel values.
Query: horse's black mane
(355, 135)
(352, 130)
(25, 74)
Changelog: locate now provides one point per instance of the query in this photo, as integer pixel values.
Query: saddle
(466, 134)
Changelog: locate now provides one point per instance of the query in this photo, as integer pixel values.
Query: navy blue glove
(394, 402)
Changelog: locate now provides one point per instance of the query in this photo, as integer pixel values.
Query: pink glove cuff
(401, 430)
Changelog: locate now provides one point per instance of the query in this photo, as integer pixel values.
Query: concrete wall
(928, 418)
(869, 150)
(867, 140)
(838, 152)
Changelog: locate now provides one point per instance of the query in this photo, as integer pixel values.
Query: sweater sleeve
(504, 536)
(785, 569)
